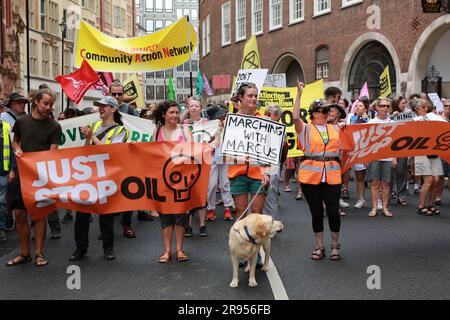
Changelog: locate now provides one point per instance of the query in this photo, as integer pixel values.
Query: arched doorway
(431, 50)
(369, 63)
(290, 65)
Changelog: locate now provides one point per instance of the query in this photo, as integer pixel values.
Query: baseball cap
(107, 101)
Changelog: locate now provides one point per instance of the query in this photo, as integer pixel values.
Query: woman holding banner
(320, 171)
(168, 128)
(428, 167)
(195, 117)
(108, 130)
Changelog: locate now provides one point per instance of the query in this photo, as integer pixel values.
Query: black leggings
(316, 196)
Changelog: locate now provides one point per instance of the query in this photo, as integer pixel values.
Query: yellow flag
(132, 88)
(250, 59)
(385, 83)
(164, 49)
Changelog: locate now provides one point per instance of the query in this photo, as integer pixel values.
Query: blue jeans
(3, 212)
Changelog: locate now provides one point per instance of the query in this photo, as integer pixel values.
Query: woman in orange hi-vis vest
(319, 171)
(244, 178)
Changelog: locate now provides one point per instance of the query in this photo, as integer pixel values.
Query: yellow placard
(385, 83)
(163, 49)
(250, 59)
(285, 98)
(133, 89)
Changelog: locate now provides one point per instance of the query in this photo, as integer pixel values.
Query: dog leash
(245, 211)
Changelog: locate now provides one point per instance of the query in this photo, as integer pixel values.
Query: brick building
(345, 42)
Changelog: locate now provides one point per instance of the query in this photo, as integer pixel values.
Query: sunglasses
(324, 110)
(117, 94)
(384, 105)
(446, 105)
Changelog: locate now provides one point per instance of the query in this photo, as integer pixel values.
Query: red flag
(77, 83)
(106, 78)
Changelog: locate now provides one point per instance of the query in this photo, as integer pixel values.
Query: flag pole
(190, 62)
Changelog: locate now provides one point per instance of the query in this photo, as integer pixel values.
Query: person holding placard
(320, 171)
(246, 179)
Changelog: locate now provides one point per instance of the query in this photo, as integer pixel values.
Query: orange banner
(368, 142)
(168, 177)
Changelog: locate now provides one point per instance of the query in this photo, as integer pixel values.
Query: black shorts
(168, 220)
(15, 200)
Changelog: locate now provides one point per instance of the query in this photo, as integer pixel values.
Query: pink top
(181, 137)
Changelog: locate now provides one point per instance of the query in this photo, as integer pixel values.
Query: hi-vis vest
(245, 169)
(311, 171)
(6, 146)
(111, 133)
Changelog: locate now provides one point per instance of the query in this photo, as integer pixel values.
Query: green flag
(199, 83)
(171, 91)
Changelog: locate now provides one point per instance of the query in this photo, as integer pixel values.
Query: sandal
(393, 195)
(40, 260)
(287, 189)
(165, 258)
(402, 202)
(23, 259)
(298, 196)
(318, 253)
(373, 212)
(387, 213)
(335, 256)
(424, 211)
(434, 210)
(181, 256)
(345, 194)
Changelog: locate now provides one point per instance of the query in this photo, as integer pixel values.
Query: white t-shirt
(378, 120)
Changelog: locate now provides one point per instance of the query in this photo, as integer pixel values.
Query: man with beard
(33, 132)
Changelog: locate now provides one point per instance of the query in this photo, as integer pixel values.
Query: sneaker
(342, 213)
(360, 203)
(203, 232)
(55, 235)
(67, 218)
(227, 215)
(188, 232)
(211, 215)
(343, 204)
(2, 236)
(379, 204)
(9, 224)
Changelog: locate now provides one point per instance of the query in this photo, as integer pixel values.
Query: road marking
(279, 292)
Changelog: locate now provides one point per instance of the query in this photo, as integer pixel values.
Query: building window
(321, 7)
(138, 3)
(159, 24)
(159, 6)
(240, 19)
(226, 24)
(208, 34)
(150, 92)
(123, 23)
(149, 75)
(53, 18)
(168, 6)
(194, 14)
(322, 62)
(194, 65)
(116, 17)
(33, 57)
(160, 93)
(149, 25)
(348, 3)
(296, 11)
(168, 22)
(55, 61)
(257, 17)
(179, 13)
(43, 16)
(67, 61)
(179, 83)
(204, 38)
(275, 14)
(45, 60)
(138, 19)
(149, 5)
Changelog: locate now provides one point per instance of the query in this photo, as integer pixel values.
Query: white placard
(436, 101)
(404, 116)
(256, 76)
(276, 80)
(140, 129)
(257, 138)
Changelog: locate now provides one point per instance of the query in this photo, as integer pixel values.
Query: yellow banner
(385, 83)
(250, 59)
(285, 98)
(164, 49)
(133, 89)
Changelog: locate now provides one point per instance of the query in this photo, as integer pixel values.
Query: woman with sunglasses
(379, 172)
(320, 172)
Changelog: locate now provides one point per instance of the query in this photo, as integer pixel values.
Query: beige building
(113, 17)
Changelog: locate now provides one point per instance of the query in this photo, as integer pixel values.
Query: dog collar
(252, 240)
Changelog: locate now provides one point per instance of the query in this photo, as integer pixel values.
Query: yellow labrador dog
(246, 237)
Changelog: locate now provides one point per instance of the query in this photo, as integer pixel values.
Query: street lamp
(63, 26)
